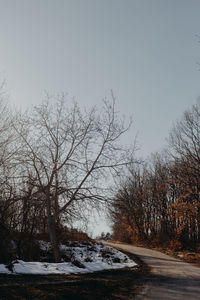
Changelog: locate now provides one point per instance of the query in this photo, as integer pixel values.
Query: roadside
(111, 284)
(187, 256)
(184, 255)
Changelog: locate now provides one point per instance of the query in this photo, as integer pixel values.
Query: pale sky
(146, 51)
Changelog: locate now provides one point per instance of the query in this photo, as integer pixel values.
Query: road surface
(171, 278)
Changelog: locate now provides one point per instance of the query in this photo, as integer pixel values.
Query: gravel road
(171, 278)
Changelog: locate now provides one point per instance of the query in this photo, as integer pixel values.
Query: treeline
(159, 201)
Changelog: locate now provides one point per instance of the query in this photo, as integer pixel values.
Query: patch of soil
(113, 284)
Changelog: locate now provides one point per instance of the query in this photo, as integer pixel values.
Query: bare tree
(69, 156)
(185, 135)
(8, 212)
(185, 142)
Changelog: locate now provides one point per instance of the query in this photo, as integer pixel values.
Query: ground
(114, 284)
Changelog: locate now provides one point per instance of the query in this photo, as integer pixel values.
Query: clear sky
(146, 51)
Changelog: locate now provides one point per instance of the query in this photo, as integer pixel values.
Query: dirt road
(171, 278)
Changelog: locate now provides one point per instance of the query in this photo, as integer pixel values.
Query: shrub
(175, 245)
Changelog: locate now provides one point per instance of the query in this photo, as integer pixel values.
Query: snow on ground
(76, 258)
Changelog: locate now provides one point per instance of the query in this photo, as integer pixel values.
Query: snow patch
(81, 258)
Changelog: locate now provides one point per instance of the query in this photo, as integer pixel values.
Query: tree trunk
(52, 231)
(54, 243)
